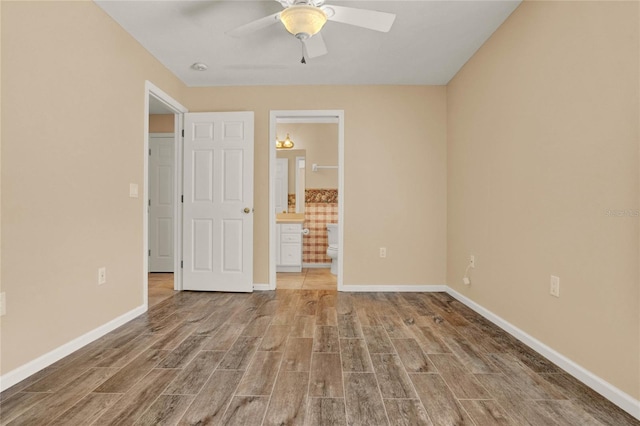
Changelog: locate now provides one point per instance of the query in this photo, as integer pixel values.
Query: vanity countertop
(289, 217)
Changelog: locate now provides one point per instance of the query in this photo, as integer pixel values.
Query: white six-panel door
(218, 202)
(161, 172)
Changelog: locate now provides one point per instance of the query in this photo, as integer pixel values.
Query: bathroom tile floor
(308, 279)
(306, 357)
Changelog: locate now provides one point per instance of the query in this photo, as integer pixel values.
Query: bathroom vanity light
(285, 144)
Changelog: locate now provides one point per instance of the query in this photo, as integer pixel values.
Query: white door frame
(178, 110)
(304, 116)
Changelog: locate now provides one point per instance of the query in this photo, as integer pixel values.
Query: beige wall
(543, 139)
(72, 135)
(381, 209)
(320, 140)
(161, 123)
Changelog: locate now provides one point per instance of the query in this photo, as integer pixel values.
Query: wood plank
(166, 410)
(534, 386)
(288, 400)
(18, 403)
(245, 410)
(406, 412)
(326, 411)
(184, 353)
(131, 373)
(442, 407)
(297, 356)
(413, 359)
(462, 384)
(240, 354)
(392, 377)
(303, 326)
(593, 403)
(429, 341)
(567, 412)
(171, 340)
(326, 376)
(192, 378)
(377, 340)
(261, 374)
(275, 338)
(524, 411)
(364, 404)
(87, 410)
(211, 403)
(66, 397)
(355, 357)
(487, 412)
(349, 327)
(224, 338)
(138, 399)
(257, 326)
(326, 339)
(327, 316)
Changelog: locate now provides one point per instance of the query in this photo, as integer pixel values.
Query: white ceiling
(428, 43)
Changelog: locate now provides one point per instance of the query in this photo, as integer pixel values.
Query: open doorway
(307, 201)
(162, 216)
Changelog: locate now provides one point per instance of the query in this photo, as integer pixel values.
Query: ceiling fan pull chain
(302, 61)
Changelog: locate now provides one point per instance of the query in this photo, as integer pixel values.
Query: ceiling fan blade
(251, 27)
(315, 46)
(371, 19)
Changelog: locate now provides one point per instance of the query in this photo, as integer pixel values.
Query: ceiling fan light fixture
(303, 21)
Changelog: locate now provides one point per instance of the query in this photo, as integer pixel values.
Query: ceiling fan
(305, 18)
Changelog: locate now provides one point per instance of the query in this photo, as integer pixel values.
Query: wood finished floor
(306, 357)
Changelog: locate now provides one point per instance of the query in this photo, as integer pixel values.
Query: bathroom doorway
(306, 199)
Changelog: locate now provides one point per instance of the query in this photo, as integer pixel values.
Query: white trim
(308, 120)
(373, 288)
(316, 265)
(178, 110)
(305, 116)
(261, 287)
(17, 375)
(604, 388)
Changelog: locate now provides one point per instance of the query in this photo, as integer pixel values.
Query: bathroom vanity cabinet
(289, 247)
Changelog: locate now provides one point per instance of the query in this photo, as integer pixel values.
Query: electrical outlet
(472, 261)
(383, 252)
(554, 288)
(133, 190)
(466, 281)
(102, 275)
(3, 303)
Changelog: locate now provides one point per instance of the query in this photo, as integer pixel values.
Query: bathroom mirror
(296, 167)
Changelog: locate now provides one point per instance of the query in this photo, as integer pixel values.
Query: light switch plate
(133, 190)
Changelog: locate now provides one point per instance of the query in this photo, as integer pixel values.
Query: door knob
(247, 210)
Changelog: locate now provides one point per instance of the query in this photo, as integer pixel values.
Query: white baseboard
(17, 375)
(261, 287)
(394, 288)
(604, 388)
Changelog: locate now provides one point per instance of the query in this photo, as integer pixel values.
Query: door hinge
(181, 264)
(183, 133)
(149, 252)
(182, 198)
(149, 151)
(149, 202)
